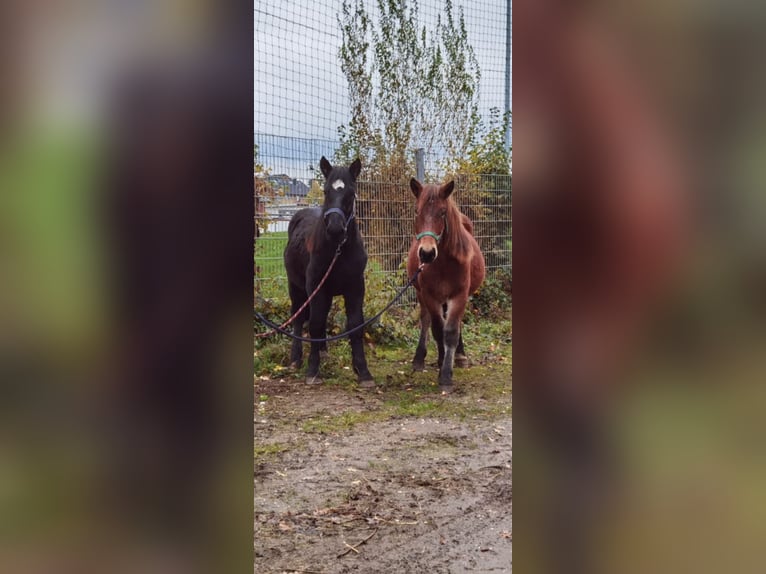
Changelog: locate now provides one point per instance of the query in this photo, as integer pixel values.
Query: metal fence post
(508, 71)
(420, 164)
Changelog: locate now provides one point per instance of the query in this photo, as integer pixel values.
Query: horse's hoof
(294, 366)
(419, 366)
(317, 380)
(462, 361)
(445, 389)
(367, 384)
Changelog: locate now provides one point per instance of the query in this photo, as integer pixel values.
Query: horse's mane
(455, 239)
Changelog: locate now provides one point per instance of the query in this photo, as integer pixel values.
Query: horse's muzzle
(336, 234)
(427, 255)
(335, 226)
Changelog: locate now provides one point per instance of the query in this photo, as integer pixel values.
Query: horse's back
(303, 221)
(296, 255)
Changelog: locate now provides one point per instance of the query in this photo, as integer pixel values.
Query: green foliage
(483, 176)
(487, 152)
(493, 300)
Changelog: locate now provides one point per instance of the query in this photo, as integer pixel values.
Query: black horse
(314, 235)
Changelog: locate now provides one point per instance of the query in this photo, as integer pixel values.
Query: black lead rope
(278, 329)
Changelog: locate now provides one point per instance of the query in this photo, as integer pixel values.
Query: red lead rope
(299, 311)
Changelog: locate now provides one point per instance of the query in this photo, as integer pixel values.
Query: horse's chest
(444, 282)
(346, 276)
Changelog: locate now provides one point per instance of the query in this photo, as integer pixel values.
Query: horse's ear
(446, 189)
(355, 168)
(415, 187)
(325, 166)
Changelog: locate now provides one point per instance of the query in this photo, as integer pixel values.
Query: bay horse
(314, 236)
(454, 270)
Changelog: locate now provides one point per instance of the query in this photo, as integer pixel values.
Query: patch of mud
(397, 495)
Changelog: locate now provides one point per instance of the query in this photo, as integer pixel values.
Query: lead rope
(280, 328)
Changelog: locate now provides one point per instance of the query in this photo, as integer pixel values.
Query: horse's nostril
(426, 255)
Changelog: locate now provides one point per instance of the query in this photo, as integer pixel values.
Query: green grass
(267, 450)
(481, 391)
(269, 248)
(269, 264)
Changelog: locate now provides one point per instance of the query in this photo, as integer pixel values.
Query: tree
(315, 194)
(407, 89)
(258, 168)
(263, 192)
(484, 178)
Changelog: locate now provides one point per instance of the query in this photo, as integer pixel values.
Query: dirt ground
(398, 479)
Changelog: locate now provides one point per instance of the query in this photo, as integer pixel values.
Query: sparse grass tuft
(328, 424)
(266, 450)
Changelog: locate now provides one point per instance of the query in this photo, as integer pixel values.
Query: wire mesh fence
(302, 104)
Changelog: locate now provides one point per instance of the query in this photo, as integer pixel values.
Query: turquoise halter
(420, 236)
(438, 238)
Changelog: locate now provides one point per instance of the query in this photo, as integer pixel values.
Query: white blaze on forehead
(338, 184)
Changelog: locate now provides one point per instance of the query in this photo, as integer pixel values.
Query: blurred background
(640, 266)
(125, 286)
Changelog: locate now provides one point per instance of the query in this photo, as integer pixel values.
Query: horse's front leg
(355, 317)
(419, 361)
(320, 307)
(455, 310)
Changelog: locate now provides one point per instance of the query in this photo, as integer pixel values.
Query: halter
(438, 238)
(346, 223)
(342, 214)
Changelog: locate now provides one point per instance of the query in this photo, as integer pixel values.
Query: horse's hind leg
(461, 359)
(297, 297)
(437, 330)
(419, 361)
